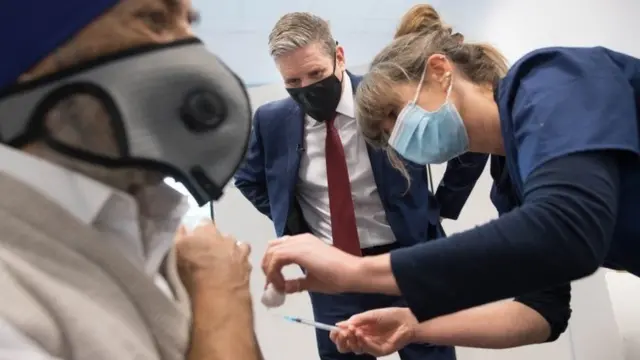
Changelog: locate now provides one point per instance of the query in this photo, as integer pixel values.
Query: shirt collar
(346, 106)
(96, 204)
(83, 197)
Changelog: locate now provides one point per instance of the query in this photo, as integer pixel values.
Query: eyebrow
(173, 5)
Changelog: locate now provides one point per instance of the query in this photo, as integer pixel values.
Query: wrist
(415, 332)
(222, 307)
(210, 287)
(373, 274)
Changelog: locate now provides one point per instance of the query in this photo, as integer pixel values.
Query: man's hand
(215, 270)
(377, 332)
(327, 269)
(207, 258)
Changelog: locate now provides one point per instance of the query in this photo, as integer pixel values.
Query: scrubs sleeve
(569, 104)
(560, 234)
(554, 305)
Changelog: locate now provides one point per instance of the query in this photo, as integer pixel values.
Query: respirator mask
(175, 109)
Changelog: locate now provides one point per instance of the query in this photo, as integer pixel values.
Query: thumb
(181, 232)
(304, 283)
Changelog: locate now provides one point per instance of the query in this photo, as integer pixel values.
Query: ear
(341, 62)
(439, 70)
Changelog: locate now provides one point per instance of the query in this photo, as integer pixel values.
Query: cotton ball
(272, 298)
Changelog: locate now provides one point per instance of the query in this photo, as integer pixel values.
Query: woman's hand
(377, 332)
(327, 269)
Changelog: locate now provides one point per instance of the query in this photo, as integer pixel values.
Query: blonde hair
(299, 29)
(421, 33)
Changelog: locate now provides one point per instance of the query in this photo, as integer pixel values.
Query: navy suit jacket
(269, 175)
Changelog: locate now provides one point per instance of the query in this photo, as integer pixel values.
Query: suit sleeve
(554, 305)
(250, 178)
(458, 181)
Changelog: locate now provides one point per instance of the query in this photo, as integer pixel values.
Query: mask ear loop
(424, 73)
(450, 85)
(397, 127)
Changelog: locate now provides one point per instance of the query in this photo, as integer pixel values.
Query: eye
(193, 17)
(292, 82)
(156, 20)
(315, 74)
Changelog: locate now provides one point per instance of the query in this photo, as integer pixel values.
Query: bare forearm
(223, 327)
(498, 325)
(373, 275)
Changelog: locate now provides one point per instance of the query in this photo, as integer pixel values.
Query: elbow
(589, 252)
(246, 188)
(582, 237)
(587, 265)
(239, 183)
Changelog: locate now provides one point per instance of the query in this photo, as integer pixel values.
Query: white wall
(515, 27)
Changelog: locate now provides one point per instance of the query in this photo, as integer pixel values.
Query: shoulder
(355, 79)
(551, 67)
(276, 108)
(21, 306)
(558, 101)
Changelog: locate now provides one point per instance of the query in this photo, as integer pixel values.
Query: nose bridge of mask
(145, 92)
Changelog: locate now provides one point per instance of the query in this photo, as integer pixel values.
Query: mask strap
(424, 72)
(450, 85)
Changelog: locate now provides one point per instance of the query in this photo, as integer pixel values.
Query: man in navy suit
(309, 170)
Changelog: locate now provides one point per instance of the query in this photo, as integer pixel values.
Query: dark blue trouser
(330, 309)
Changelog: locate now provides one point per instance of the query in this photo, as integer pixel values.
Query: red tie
(343, 217)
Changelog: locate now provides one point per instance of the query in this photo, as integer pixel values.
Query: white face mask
(429, 137)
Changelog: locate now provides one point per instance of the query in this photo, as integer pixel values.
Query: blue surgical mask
(429, 137)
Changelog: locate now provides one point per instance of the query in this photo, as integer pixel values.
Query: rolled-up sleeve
(554, 305)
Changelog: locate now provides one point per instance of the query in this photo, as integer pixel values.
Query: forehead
(299, 62)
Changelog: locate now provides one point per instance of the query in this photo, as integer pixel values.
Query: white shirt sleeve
(16, 345)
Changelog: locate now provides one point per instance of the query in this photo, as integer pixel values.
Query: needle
(315, 324)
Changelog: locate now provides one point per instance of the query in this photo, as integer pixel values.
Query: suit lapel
(294, 124)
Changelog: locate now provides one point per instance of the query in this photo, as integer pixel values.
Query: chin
(141, 179)
(155, 178)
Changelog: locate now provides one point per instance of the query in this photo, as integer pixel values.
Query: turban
(32, 29)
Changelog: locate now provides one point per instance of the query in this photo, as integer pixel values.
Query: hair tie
(459, 38)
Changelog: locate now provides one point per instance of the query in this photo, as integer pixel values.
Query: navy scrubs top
(569, 120)
(553, 304)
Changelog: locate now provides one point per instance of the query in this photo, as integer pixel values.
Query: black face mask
(320, 99)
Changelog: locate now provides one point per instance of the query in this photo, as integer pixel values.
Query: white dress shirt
(113, 213)
(313, 191)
